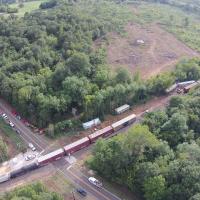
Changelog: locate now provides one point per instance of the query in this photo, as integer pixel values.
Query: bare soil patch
(160, 51)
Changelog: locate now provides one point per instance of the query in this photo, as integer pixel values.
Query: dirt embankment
(160, 51)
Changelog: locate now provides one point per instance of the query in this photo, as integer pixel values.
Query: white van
(95, 182)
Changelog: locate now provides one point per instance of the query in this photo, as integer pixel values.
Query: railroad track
(25, 133)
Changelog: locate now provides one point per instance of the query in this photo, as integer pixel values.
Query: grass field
(28, 7)
(184, 26)
(12, 135)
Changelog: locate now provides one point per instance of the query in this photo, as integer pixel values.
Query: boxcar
(100, 133)
(55, 155)
(76, 146)
(123, 122)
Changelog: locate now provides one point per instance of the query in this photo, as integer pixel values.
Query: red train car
(76, 146)
(50, 157)
(101, 133)
(124, 122)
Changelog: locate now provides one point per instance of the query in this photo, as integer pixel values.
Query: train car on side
(187, 88)
(124, 122)
(53, 156)
(101, 133)
(76, 146)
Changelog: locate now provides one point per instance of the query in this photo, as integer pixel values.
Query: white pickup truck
(95, 182)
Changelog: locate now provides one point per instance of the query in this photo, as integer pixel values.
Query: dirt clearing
(159, 52)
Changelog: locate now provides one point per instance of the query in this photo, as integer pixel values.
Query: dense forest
(31, 192)
(160, 157)
(48, 64)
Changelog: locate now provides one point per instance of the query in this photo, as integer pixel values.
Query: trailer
(124, 122)
(100, 133)
(76, 146)
(53, 156)
(122, 109)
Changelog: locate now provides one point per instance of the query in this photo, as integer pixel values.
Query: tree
(175, 129)
(154, 188)
(51, 131)
(123, 76)
(79, 64)
(3, 151)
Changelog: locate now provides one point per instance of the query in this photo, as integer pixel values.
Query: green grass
(28, 7)
(9, 132)
(173, 20)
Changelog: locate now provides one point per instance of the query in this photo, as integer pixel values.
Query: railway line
(25, 133)
(85, 143)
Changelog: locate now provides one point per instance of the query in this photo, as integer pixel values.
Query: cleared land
(28, 7)
(160, 51)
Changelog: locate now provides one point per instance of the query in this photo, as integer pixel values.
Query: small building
(122, 109)
(91, 123)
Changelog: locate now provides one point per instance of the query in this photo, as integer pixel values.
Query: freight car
(123, 122)
(105, 132)
(55, 155)
(76, 146)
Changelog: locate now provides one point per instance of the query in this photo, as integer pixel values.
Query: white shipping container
(122, 109)
(91, 123)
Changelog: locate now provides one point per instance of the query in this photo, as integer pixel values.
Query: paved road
(80, 180)
(26, 134)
